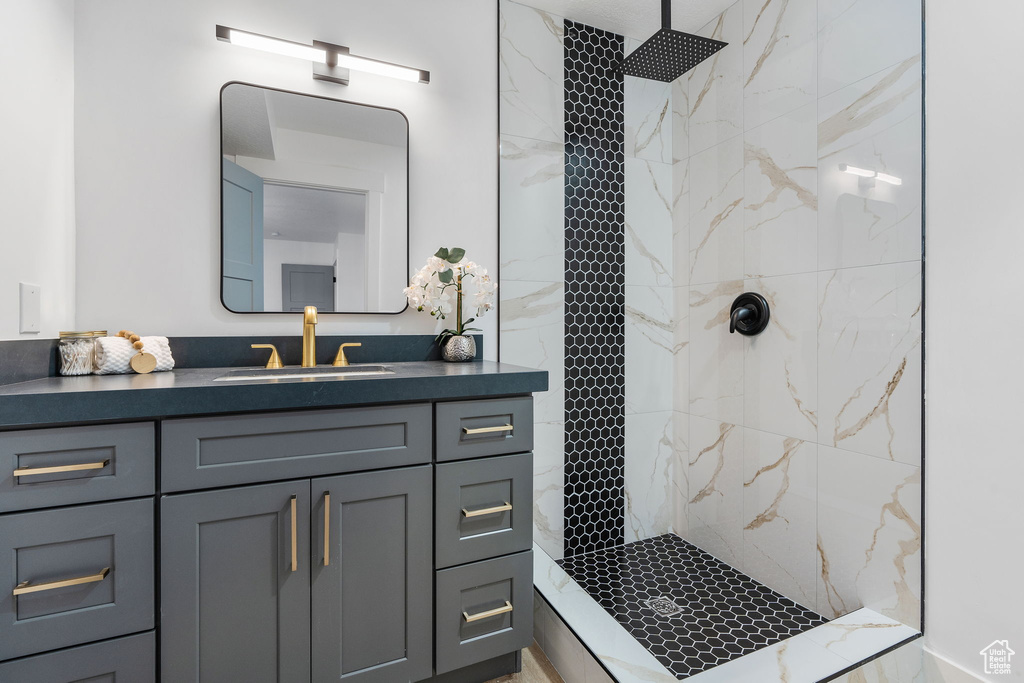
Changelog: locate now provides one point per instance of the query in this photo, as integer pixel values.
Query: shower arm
(666, 13)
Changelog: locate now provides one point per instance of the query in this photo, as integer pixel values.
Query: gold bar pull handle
(470, 618)
(27, 586)
(487, 511)
(295, 536)
(29, 471)
(487, 430)
(327, 529)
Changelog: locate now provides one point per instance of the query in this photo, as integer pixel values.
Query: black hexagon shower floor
(691, 610)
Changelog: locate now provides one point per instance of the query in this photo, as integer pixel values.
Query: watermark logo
(997, 657)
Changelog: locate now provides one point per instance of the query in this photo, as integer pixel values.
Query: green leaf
(442, 253)
(445, 276)
(455, 256)
(469, 321)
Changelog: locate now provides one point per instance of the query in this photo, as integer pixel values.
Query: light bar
(373, 66)
(886, 178)
(872, 175)
(276, 45)
(862, 172)
(336, 57)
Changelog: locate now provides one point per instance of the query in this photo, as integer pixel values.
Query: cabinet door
(235, 585)
(372, 594)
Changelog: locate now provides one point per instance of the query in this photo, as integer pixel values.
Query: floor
(689, 609)
(536, 669)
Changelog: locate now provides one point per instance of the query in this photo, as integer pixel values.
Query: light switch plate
(31, 305)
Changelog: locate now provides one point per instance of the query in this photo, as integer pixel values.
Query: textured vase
(458, 349)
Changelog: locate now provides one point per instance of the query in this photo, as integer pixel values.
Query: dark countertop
(64, 400)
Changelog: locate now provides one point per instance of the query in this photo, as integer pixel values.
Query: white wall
(974, 461)
(148, 77)
(37, 219)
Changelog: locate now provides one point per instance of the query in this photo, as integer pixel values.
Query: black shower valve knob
(749, 314)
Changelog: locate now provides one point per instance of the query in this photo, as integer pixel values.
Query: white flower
(427, 292)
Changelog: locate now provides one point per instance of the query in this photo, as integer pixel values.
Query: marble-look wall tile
(874, 124)
(532, 185)
(716, 213)
(715, 508)
(716, 357)
(531, 64)
(681, 222)
(548, 491)
(779, 514)
(780, 372)
(533, 335)
(648, 223)
(903, 665)
(869, 360)
(681, 119)
(780, 202)
(648, 116)
(680, 473)
(869, 536)
(650, 486)
(779, 58)
(716, 85)
(857, 38)
(861, 634)
(650, 348)
(681, 349)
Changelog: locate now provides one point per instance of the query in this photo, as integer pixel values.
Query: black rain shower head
(669, 54)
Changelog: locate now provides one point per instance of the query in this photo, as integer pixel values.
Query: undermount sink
(305, 373)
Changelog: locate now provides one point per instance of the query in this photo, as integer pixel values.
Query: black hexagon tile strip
(691, 610)
(595, 245)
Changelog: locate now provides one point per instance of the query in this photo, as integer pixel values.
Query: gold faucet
(309, 337)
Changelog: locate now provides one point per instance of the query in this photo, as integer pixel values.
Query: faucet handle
(340, 360)
(275, 358)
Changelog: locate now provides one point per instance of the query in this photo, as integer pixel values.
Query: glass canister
(77, 351)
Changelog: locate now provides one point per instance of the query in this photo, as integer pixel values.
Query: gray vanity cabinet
(372, 576)
(257, 583)
(235, 584)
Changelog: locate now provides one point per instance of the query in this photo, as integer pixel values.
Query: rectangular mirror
(314, 203)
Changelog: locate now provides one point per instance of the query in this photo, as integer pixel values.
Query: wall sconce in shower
(330, 62)
(868, 177)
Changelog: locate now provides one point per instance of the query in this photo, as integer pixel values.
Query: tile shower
(633, 212)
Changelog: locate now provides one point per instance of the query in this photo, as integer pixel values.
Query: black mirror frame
(220, 191)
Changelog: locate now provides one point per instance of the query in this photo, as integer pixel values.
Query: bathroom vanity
(181, 527)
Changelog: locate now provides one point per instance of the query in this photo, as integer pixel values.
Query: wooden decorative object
(142, 362)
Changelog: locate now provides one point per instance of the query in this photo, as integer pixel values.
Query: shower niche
(677, 463)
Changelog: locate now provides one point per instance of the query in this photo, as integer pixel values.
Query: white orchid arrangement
(441, 285)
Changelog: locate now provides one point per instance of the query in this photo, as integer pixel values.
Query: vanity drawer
(473, 429)
(91, 568)
(483, 508)
(502, 587)
(221, 451)
(50, 467)
(131, 659)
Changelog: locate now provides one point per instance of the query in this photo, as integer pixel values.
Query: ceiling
(634, 18)
(308, 214)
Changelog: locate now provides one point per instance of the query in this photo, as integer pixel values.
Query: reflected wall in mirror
(314, 203)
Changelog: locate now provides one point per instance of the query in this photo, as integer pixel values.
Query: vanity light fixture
(869, 175)
(330, 62)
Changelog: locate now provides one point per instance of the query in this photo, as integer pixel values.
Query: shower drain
(664, 606)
